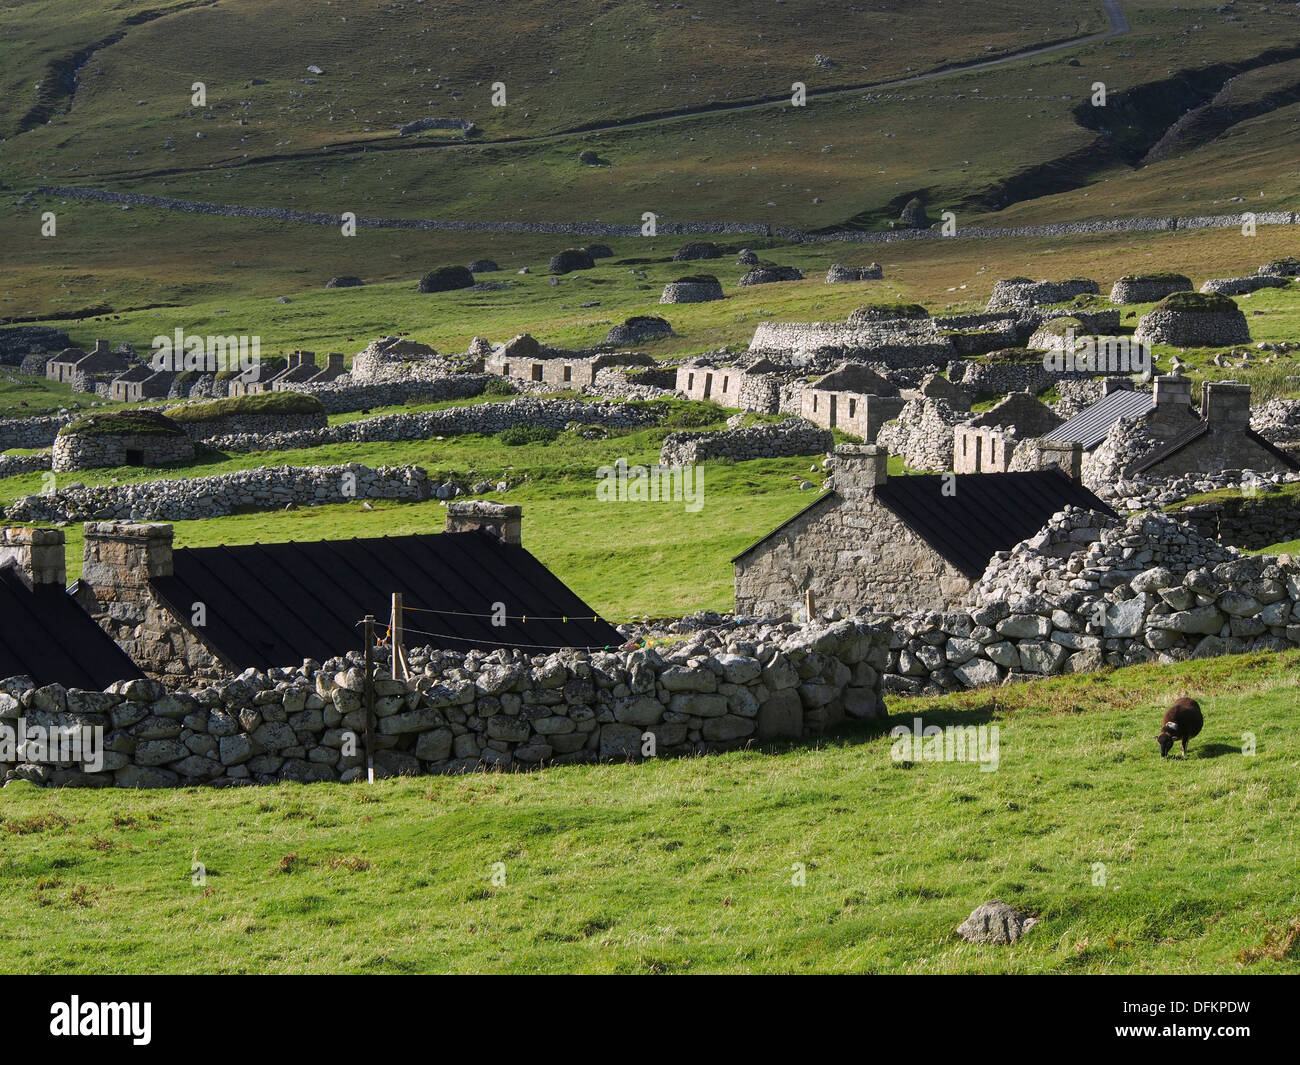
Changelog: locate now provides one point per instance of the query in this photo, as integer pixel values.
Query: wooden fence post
(809, 606)
(370, 698)
(400, 669)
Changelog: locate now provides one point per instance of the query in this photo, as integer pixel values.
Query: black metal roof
(982, 513)
(276, 604)
(1176, 444)
(45, 635)
(1090, 426)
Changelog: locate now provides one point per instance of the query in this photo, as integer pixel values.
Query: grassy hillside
(565, 65)
(688, 865)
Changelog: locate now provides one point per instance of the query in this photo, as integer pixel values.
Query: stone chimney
(334, 362)
(37, 553)
(1174, 393)
(500, 521)
(1115, 384)
(858, 468)
(1226, 404)
(1067, 454)
(120, 557)
(100, 348)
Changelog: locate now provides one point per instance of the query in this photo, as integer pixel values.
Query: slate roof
(1176, 444)
(1090, 426)
(276, 604)
(984, 513)
(44, 634)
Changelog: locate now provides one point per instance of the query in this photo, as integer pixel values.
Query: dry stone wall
(265, 488)
(794, 436)
(1090, 592)
(464, 712)
(32, 432)
(480, 418)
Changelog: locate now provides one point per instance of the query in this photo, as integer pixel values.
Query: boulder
(996, 923)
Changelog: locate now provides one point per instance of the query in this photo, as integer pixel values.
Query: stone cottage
(44, 633)
(211, 612)
(897, 543)
(1221, 439)
(84, 369)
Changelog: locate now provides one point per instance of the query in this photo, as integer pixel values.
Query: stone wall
(118, 562)
(1246, 521)
(923, 434)
(265, 488)
(486, 418)
(464, 712)
(666, 227)
(1090, 592)
(343, 395)
(894, 344)
(32, 432)
(14, 465)
(794, 436)
(850, 412)
(252, 425)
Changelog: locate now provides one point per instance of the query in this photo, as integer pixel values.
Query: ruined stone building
(755, 387)
(897, 543)
(852, 398)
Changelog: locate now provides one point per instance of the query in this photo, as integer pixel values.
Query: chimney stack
(1173, 391)
(121, 556)
(37, 553)
(1226, 404)
(334, 362)
(858, 468)
(502, 522)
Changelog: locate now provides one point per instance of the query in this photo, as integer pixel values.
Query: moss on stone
(122, 423)
(1197, 302)
(255, 403)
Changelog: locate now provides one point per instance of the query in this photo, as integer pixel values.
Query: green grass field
(689, 865)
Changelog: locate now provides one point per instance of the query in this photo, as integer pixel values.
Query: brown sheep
(1183, 721)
